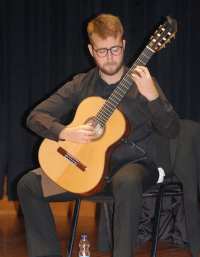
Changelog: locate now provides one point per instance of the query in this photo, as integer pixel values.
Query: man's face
(108, 53)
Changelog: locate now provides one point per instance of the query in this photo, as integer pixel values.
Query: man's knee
(129, 177)
(28, 183)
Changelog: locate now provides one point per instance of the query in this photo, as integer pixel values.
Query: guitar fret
(146, 56)
(120, 90)
(141, 61)
(150, 49)
(102, 119)
(127, 83)
(114, 99)
(111, 103)
(117, 93)
(100, 122)
(148, 52)
(144, 61)
(105, 114)
(109, 107)
(108, 115)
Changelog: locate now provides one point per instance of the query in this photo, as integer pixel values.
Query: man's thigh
(144, 173)
(32, 182)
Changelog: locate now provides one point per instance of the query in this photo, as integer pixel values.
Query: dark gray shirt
(150, 123)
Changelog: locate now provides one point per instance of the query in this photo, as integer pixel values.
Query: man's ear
(90, 50)
(124, 43)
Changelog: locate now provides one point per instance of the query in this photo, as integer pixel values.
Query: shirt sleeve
(46, 118)
(164, 118)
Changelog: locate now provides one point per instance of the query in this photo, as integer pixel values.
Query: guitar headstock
(163, 34)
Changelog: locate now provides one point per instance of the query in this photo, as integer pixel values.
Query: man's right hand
(81, 134)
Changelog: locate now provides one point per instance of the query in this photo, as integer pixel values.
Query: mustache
(110, 63)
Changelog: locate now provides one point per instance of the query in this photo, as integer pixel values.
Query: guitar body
(87, 176)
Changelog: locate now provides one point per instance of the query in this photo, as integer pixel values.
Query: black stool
(106, 199)
(167, 188)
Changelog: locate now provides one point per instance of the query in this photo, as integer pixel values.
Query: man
(133, 164)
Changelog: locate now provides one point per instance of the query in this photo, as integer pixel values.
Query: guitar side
(85, 177)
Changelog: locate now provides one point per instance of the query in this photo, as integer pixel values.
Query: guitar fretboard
(120, 91)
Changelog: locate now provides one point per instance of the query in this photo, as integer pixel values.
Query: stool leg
(155, 232)
(73, 227)
(108, 223)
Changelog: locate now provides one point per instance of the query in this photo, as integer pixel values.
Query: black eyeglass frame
(106, 50)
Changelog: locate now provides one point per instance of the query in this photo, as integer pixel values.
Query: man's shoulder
(78, 82)
(80, 77)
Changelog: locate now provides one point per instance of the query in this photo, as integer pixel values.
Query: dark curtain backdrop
(43, 43)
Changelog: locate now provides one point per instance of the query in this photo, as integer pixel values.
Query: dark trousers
(127, 186)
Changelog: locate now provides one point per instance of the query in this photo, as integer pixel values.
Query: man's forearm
(44, 125)
(164, 118)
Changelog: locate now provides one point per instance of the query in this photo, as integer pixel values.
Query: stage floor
(12, 238)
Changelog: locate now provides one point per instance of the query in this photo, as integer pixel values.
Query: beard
(110, 68)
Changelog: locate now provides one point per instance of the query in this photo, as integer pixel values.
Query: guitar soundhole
(99, 130)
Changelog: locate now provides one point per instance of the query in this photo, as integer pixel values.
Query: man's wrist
(153, 98)
(56, 129)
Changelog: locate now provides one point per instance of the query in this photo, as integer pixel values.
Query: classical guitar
(80, 168)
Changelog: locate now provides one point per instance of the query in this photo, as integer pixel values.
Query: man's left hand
(144, 82)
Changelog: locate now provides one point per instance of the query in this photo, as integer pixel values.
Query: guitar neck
(122, 88)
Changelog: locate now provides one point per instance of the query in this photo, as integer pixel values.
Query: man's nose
(109, 54)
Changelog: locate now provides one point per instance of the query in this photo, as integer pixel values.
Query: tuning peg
(173, 35)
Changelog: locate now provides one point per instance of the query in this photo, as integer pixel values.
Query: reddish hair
(105, 25)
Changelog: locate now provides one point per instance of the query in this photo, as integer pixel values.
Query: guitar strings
(119, 92)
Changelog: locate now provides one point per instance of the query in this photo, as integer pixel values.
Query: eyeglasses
(114, 50)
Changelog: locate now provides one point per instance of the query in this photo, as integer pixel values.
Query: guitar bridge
(70, 158)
